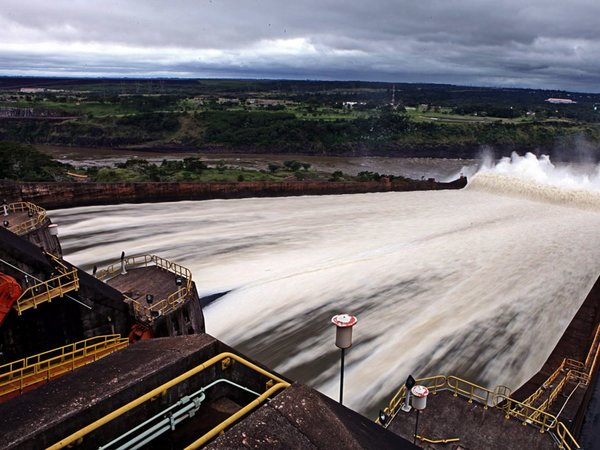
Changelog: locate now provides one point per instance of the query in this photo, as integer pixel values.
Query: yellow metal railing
(34, 222)
(18, 375)
(433, 384)
(572, 371)
(528, 414)
(565, 437)
(48, 290)
(58, 263)
(276, 383)
(438, 441)
(592, 357)
(161, 306)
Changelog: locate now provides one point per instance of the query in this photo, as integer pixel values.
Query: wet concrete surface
(302, 418)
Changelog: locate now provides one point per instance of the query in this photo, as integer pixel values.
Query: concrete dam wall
(63, 195)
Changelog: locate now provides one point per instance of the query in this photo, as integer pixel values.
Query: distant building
(40, 90)
(560, 101)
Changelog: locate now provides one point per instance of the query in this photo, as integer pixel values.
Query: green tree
(25, 163)
(292, 165)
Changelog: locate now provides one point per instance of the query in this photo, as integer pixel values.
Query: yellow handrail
(473, 391)
(162, 306)
(434, 384)
(30, 224)
(58, 263)
(590, 362)
(48, 290)
(566, 438)
(437, 441)
(145, 261)
(162, 389)
(17, 375)
(511, 407)
(573, 370)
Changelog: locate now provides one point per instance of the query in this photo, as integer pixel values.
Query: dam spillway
(474, 283)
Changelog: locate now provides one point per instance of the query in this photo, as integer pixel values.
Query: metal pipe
(163, 388)
(150, 430)
(190, 402)
(342, 378)
(416, 426)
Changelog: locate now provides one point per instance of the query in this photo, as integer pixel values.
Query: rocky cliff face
(65, 195)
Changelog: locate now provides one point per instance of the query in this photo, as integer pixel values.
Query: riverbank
(65, 195)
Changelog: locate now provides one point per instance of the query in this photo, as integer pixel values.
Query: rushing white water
(479, 283)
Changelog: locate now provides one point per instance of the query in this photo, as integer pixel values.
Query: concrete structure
(297, 417)
(561, 101)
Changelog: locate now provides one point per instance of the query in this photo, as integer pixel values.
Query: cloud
(547, 44)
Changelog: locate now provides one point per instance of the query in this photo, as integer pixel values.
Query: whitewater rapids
(478, 283)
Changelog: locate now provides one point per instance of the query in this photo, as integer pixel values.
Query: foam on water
(479, 283)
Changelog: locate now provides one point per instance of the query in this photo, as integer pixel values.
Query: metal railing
(48, 290)
(274, 384)
(66, 281)
(147, 313)
(592, 357)
(20, 374)
(571, 371)
(32, 223)
(433, 384)
(528, 414)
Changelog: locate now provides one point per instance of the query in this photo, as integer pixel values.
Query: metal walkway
(25, 374)
(66, 281)
(570, 373)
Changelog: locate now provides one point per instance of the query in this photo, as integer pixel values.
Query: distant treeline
(303, 117)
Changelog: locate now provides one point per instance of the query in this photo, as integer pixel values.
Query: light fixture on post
(419, 402)
(5, 207)
(343, 340)
(149, 298)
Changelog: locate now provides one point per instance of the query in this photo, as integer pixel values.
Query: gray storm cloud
(547, 44)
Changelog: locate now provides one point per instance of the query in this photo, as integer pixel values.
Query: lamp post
(419, 402)
(343, 340)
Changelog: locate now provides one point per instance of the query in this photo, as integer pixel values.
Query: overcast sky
(534, 43)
